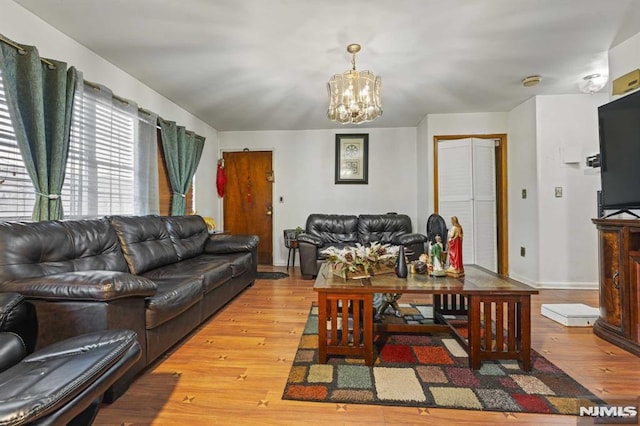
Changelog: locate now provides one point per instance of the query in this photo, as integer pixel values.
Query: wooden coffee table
(346, 323)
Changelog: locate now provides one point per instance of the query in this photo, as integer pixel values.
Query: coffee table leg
(473, 333)
(368, 329)
(322, 328)
(524, 326)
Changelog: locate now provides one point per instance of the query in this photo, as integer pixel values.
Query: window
(17, 195)
(100, 176)
(100, 170)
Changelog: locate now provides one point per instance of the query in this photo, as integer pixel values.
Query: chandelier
(354, 96)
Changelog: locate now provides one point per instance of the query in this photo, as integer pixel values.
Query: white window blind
(100, 175)
(17, 195)
(100, 170)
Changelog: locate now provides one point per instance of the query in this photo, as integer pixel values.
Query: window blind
(17, 195)
(100, 169)
(100, 174)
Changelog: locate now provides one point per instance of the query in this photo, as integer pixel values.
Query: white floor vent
(571, 314)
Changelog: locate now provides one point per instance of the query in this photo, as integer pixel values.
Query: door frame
(502, 219)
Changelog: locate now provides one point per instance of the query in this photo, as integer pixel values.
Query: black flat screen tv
(619, 123)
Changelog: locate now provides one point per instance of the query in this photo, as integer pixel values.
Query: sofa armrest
(11, 313)
(64, 383)
(408, 239)
(12, 350)
(225, 243)
(82, 285)
(310, 239)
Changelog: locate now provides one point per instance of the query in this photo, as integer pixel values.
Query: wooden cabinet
(619, 265)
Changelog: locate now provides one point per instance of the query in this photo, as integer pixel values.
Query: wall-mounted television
(619, 123)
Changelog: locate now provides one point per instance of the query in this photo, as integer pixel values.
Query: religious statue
(436, 258)
(454, 254)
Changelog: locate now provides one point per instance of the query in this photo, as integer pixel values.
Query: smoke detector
(532, 80)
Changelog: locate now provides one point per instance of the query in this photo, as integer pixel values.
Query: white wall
(522, 175)
(549, 140)
(567, 130)
(23, 27)
(304, 162)
(424, 178)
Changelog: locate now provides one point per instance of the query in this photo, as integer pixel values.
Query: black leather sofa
(62, 383)
(160, 277)
(326, 230)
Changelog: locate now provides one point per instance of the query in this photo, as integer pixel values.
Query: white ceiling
(264, 64)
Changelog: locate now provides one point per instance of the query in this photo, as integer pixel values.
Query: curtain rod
(98, 87)
(21, 51)
(52, 66)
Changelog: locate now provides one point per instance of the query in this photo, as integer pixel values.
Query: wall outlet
(522, 251)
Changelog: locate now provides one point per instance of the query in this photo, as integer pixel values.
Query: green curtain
(40, 99)
(182, 152)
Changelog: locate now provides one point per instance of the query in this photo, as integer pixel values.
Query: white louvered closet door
(466, 189)
(455, 189)
(484, 204)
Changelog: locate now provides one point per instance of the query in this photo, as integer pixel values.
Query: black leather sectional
(160, 277)
(326, 230)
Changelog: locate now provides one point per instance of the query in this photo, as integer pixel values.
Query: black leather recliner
(326, 230)
(62, 383)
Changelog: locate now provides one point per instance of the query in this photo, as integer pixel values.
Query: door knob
(269, 211)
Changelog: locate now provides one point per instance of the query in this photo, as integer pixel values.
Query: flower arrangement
(362, 260)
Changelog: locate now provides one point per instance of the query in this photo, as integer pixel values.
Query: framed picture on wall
(352, 158)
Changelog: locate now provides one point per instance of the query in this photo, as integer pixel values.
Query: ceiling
(264, 64)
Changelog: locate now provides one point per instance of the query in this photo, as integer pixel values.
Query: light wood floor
(233, 369)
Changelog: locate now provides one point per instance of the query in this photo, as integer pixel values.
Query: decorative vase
(401, 264)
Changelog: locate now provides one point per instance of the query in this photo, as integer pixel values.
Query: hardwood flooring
(233, 369)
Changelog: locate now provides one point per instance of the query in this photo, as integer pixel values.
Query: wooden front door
(247, 204)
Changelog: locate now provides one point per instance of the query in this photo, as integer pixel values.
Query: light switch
(524, 193)
(558, 191)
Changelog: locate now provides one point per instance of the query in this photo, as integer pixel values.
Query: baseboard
(523, 280)
(568, 286)
(550, 285)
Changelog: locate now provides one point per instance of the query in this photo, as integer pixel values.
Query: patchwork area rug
(431, 370)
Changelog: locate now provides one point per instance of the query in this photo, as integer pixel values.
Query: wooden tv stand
(619, 265)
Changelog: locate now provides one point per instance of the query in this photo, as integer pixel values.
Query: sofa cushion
(333, 228)
(213, 271)
(36, 249)
(145, 242)
(240, 262)
(174, 296)
(383, 228)
(188, 235)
